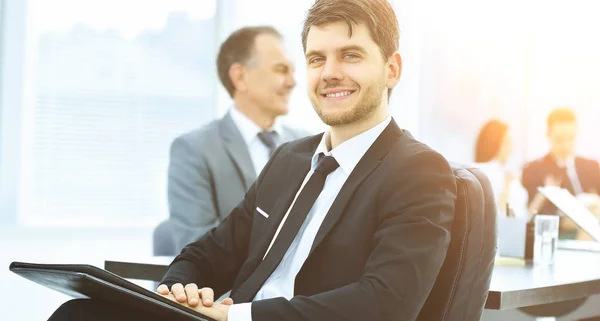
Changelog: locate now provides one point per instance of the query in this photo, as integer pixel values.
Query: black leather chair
(461, 289)
(163, 243)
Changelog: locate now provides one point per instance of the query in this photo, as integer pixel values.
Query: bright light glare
(127, 17)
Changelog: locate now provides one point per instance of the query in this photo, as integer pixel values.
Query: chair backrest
(163, 243)
(462, 285)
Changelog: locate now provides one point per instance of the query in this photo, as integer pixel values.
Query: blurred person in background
(212, 167)
(492, 153)
(561, 167)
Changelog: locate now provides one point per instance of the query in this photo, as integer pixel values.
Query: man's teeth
(339, 94)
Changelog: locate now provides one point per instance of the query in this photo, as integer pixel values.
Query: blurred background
(92, 93)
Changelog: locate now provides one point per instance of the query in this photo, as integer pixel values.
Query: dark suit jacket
(535, 172)
(376, 255)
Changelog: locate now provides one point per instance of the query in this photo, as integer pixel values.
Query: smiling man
(351, 224)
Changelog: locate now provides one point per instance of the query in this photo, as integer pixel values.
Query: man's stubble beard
(362, 109)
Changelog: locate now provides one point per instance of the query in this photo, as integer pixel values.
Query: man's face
(269, 75)
(562, 139)
(346, 76)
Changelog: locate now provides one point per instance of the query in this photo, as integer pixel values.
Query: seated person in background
(353, 224)
(560, 167)
(212, 167)
(492, 151)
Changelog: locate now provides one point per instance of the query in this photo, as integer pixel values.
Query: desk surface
(576, 274)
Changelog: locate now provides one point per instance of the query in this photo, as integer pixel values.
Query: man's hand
(592, 202)
(217, 311)
(191, 295)
(551, 180)
(539, 199)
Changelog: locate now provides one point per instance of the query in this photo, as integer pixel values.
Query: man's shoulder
(412, 164)
(536, 164)
(587, 161)
(407, 147)
(205, 134)
(409, 156)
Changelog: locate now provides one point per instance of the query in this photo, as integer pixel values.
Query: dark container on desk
(529, 240)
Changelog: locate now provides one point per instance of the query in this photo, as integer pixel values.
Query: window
(2, 27)
(112, 83)
(565, 66)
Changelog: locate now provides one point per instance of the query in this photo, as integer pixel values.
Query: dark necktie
(297, 215)
(268, 139)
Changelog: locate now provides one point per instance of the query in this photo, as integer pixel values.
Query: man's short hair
(239, 48)
(561, 115)
(377, 15)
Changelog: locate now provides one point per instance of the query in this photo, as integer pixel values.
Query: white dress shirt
(281, 281)
(259, 153)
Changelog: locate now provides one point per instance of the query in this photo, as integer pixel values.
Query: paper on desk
(573, 208)
(509, 261)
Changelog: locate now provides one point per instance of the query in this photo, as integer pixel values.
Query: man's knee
(70, 310)
(97, 310)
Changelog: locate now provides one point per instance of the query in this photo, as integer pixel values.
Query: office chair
(461, 288)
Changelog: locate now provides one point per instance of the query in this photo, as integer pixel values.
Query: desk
(576, 274)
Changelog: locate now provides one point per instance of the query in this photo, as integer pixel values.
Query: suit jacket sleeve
(596, 176)
(530, 180)
(415, 216)
(216, 258)
(191, 201)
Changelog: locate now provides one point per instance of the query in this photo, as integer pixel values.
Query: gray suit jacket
(210, 170)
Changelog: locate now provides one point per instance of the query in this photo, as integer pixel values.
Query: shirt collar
(248, 128)
(350, 152)
(568, 163)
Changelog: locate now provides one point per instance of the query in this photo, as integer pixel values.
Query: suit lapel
(295, 166)
(237, 150)
(301, 165)
(365, 166)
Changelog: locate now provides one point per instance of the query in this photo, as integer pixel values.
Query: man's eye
(315, 60)
(350, 56)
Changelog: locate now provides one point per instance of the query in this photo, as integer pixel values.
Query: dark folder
(86, 281)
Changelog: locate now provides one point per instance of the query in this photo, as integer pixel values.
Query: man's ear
(237, 74)
(394, 66)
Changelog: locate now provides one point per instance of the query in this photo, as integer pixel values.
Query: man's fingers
(163, 289)
(191, 291)
(207, 296)
(227, 301)
(179, 292)
(170, 297)
(190, 295)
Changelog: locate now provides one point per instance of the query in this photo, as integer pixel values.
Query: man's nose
(332, 71)
(290, 81)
